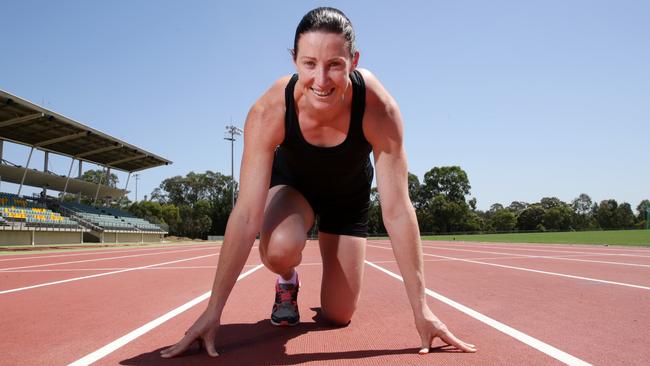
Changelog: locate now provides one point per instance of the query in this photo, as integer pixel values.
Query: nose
(321, 76)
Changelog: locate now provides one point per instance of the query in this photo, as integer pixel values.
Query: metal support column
(98, 186)
(65, 188)
(125, 186)
(108, 183)
(26, 168)
(46, 162)
(79, 177)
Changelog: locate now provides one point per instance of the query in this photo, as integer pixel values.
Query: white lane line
(102, 274)
(512, 332)
(533, 270)
(81, 252)
(549, 250)
(129, 337)
(175, 267)
(600, 251)
(595, 247)
(103, 259)
(542, 256)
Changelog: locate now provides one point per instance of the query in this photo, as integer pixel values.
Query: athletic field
(614, 237)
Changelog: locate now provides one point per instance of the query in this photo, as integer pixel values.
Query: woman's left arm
(384, 130)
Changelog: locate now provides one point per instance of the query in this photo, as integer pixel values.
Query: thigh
(287, 219)
(343, 257)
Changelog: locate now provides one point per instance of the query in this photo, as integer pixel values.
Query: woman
(310, 136)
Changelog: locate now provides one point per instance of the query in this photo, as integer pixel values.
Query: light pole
(137, 178)
(233, 131)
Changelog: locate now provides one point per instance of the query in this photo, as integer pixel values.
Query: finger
(426, 344)
(208, 343)
(179, 347)
(451, 339)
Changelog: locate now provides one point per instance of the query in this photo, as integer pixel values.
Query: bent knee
(338, 318)
(281, 251)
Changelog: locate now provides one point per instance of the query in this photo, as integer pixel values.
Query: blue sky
(531, 99)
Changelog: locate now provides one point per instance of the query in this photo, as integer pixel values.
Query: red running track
(534, 305)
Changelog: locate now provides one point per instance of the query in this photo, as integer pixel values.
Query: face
(324, 63)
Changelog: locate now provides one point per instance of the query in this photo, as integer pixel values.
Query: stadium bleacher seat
(14, 208)
(111, 218)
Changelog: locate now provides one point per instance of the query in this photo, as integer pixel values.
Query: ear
(355, 60)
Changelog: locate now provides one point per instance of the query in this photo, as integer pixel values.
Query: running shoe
(285, 309)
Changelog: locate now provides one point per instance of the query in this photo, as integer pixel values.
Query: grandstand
(49, 220)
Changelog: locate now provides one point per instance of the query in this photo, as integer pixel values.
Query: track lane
(571, 314)
(13, 280)
(381, 331)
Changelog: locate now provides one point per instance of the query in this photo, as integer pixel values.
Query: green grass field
(616, 237)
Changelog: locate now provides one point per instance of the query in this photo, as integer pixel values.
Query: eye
(309, 64)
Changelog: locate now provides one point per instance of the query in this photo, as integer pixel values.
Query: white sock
(293, 280)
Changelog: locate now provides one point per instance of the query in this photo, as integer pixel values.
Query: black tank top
(343, 171)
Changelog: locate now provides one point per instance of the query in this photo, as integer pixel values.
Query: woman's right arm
(263, 131)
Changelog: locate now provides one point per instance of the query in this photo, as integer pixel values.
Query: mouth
(322, 93)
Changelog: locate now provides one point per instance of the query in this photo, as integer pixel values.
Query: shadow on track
(261, 343)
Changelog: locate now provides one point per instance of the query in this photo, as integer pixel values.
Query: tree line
(442, 206)
(199, 204)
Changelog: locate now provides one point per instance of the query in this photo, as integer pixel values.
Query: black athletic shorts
(341, 213)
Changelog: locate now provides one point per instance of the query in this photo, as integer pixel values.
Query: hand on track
(203, 330)
(430, 327)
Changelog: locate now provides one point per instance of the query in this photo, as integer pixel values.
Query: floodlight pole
(647, 216)
(233, 131)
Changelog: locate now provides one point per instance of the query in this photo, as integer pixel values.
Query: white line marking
(512, 332)
(601, 252)
(541, 247)
(103, 259)
(533, 270)
(129, 337)
(79, 252)
(101, 274)
(595, 247)
(544, 256)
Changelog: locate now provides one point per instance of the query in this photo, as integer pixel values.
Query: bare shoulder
(265, 120)
(382, 117)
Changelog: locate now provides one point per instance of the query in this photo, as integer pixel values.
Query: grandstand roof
(48, 180)
(26, 123)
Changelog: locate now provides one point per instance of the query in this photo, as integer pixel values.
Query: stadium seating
(14, 208)
(111, 218)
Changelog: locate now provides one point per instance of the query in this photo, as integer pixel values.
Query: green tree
(557, 218)
(503, 220)
(442, 205)
(531, 218)
(449, 181)
(606, 214)
(582, 211)
(375, 221)
(550, 202)
(516, 207)
(171, 216)
(442, 215)
(414, 189)
(641, 210)
(97, 175)
(624, 217)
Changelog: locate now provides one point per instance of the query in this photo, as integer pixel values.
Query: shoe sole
(284, 323)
